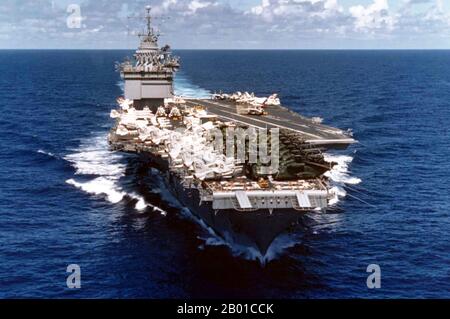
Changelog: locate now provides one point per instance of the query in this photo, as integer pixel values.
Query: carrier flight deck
(278, 117)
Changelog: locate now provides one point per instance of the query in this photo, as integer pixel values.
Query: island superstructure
(246, 166)
(148, 81)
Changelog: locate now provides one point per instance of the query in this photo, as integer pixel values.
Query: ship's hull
(256, 229)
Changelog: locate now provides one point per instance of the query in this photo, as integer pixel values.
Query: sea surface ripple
(65, 198)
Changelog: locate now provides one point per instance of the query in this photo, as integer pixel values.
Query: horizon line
(232, 49)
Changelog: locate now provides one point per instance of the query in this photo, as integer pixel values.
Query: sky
(227, 24)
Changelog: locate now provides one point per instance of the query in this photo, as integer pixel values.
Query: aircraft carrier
(245, 165)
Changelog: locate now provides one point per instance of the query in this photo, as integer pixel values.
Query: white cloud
(436, 13)
(431, 22)
(283, 8)
(301, 16)
(259, 10)
(194, 5)
(374, 16)
(217, 24)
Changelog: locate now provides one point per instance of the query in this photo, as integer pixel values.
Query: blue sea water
(65, 199)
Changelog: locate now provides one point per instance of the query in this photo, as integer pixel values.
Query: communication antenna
(148, 18)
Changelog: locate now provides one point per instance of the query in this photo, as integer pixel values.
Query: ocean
(66, 199)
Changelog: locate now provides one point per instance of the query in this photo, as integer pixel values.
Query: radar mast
(149, 78)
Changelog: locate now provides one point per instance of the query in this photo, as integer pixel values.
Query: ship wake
(340, 176)
(98, 172)
(184, 87)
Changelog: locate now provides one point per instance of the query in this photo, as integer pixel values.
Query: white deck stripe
(303, 200)
(264, 122)
(243, 199)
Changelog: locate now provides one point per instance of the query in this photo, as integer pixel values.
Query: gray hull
(256, 229)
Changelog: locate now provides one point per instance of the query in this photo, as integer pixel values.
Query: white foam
(100, 186)
(185, 88)
(46, 153)
(277, 248)
(141, 204)
(340, 176)
(121, 85)
(93, 157)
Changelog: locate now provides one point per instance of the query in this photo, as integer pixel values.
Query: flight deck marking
(266, 123)
(319, 141)
(328, 130)
(274, 120)
(252, 119)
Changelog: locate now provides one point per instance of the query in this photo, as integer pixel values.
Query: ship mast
(149, 35)
(149, 18)
(149, 78)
